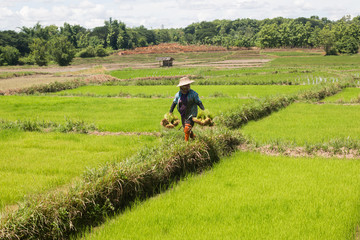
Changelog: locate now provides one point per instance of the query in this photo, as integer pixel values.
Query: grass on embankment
(250, 196)
(36, 162)
(303, 123)
(347, 95)
(240, 91)
(109, 114)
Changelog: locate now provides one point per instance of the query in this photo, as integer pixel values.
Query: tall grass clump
(29, 125)
(321, 91)
(107, 190)
(258, 109)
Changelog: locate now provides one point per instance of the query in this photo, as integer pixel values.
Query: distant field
(153, 72)
(314, 61)
(346, 95)
(250, 196)
(292, 53)
(240, 91)
(180, 58)
(36, 162)
(109, 114)
(307, 123)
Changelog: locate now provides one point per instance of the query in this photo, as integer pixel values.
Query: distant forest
(42, 44)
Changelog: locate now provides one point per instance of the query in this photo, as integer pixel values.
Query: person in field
(187, 101)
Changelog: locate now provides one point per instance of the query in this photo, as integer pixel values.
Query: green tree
(347, 44)
(269, 36)
(61, 50)
(72, 33)
(162, 36)
(39, 52)
(18, 40)
(9, 55)
(203, 30)
(327, 40)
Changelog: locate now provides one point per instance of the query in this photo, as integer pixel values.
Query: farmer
(187, 101)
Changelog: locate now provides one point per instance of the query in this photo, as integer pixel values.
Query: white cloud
(170, 13)
(5, 12)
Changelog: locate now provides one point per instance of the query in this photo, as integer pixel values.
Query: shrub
(62, 51)
(9, 56)
(87, 53)
(39, 52)
(28, 60)
(347, 45)
(101, 52)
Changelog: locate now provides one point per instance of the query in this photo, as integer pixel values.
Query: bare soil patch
(22, 82)
(176, 48)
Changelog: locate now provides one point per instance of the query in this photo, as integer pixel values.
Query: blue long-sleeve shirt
(192, 102)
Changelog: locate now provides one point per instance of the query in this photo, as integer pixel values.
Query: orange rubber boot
(187, 131)
(192, 135)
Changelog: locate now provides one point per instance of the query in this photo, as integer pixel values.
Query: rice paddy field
(348, 95)
(250, 196)
(237, 91)
(303, 123)
(35, 162)
(245, 196)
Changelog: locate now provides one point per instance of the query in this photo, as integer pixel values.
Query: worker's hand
(170, 113)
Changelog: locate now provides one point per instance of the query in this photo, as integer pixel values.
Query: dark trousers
(187, 121)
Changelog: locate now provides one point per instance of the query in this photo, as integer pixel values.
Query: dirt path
(156, 134)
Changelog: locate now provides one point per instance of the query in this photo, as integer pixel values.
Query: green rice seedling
(307, 123)
(33, 162)
(170, 121)
(107, 114)
(204, 118)
(219, 91)
(249, 196)
(347, 95)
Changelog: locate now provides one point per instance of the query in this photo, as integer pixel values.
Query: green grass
(302, 123)
(250, 196)
(291, 53)
(317, 61)
(240, 91)
(346, 95)
(36, 162)
(110, 114)
(4, 75)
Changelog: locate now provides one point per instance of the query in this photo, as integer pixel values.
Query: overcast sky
(167, 13)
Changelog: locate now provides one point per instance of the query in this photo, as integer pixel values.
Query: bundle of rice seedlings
(169, 121)
(204, 118)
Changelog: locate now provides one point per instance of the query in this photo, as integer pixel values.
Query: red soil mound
(172, 48)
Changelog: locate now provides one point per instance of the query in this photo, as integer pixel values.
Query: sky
(155, 14)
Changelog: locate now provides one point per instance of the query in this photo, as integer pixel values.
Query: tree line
(42, 44)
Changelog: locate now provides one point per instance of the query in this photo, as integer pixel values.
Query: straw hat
(184, 81)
